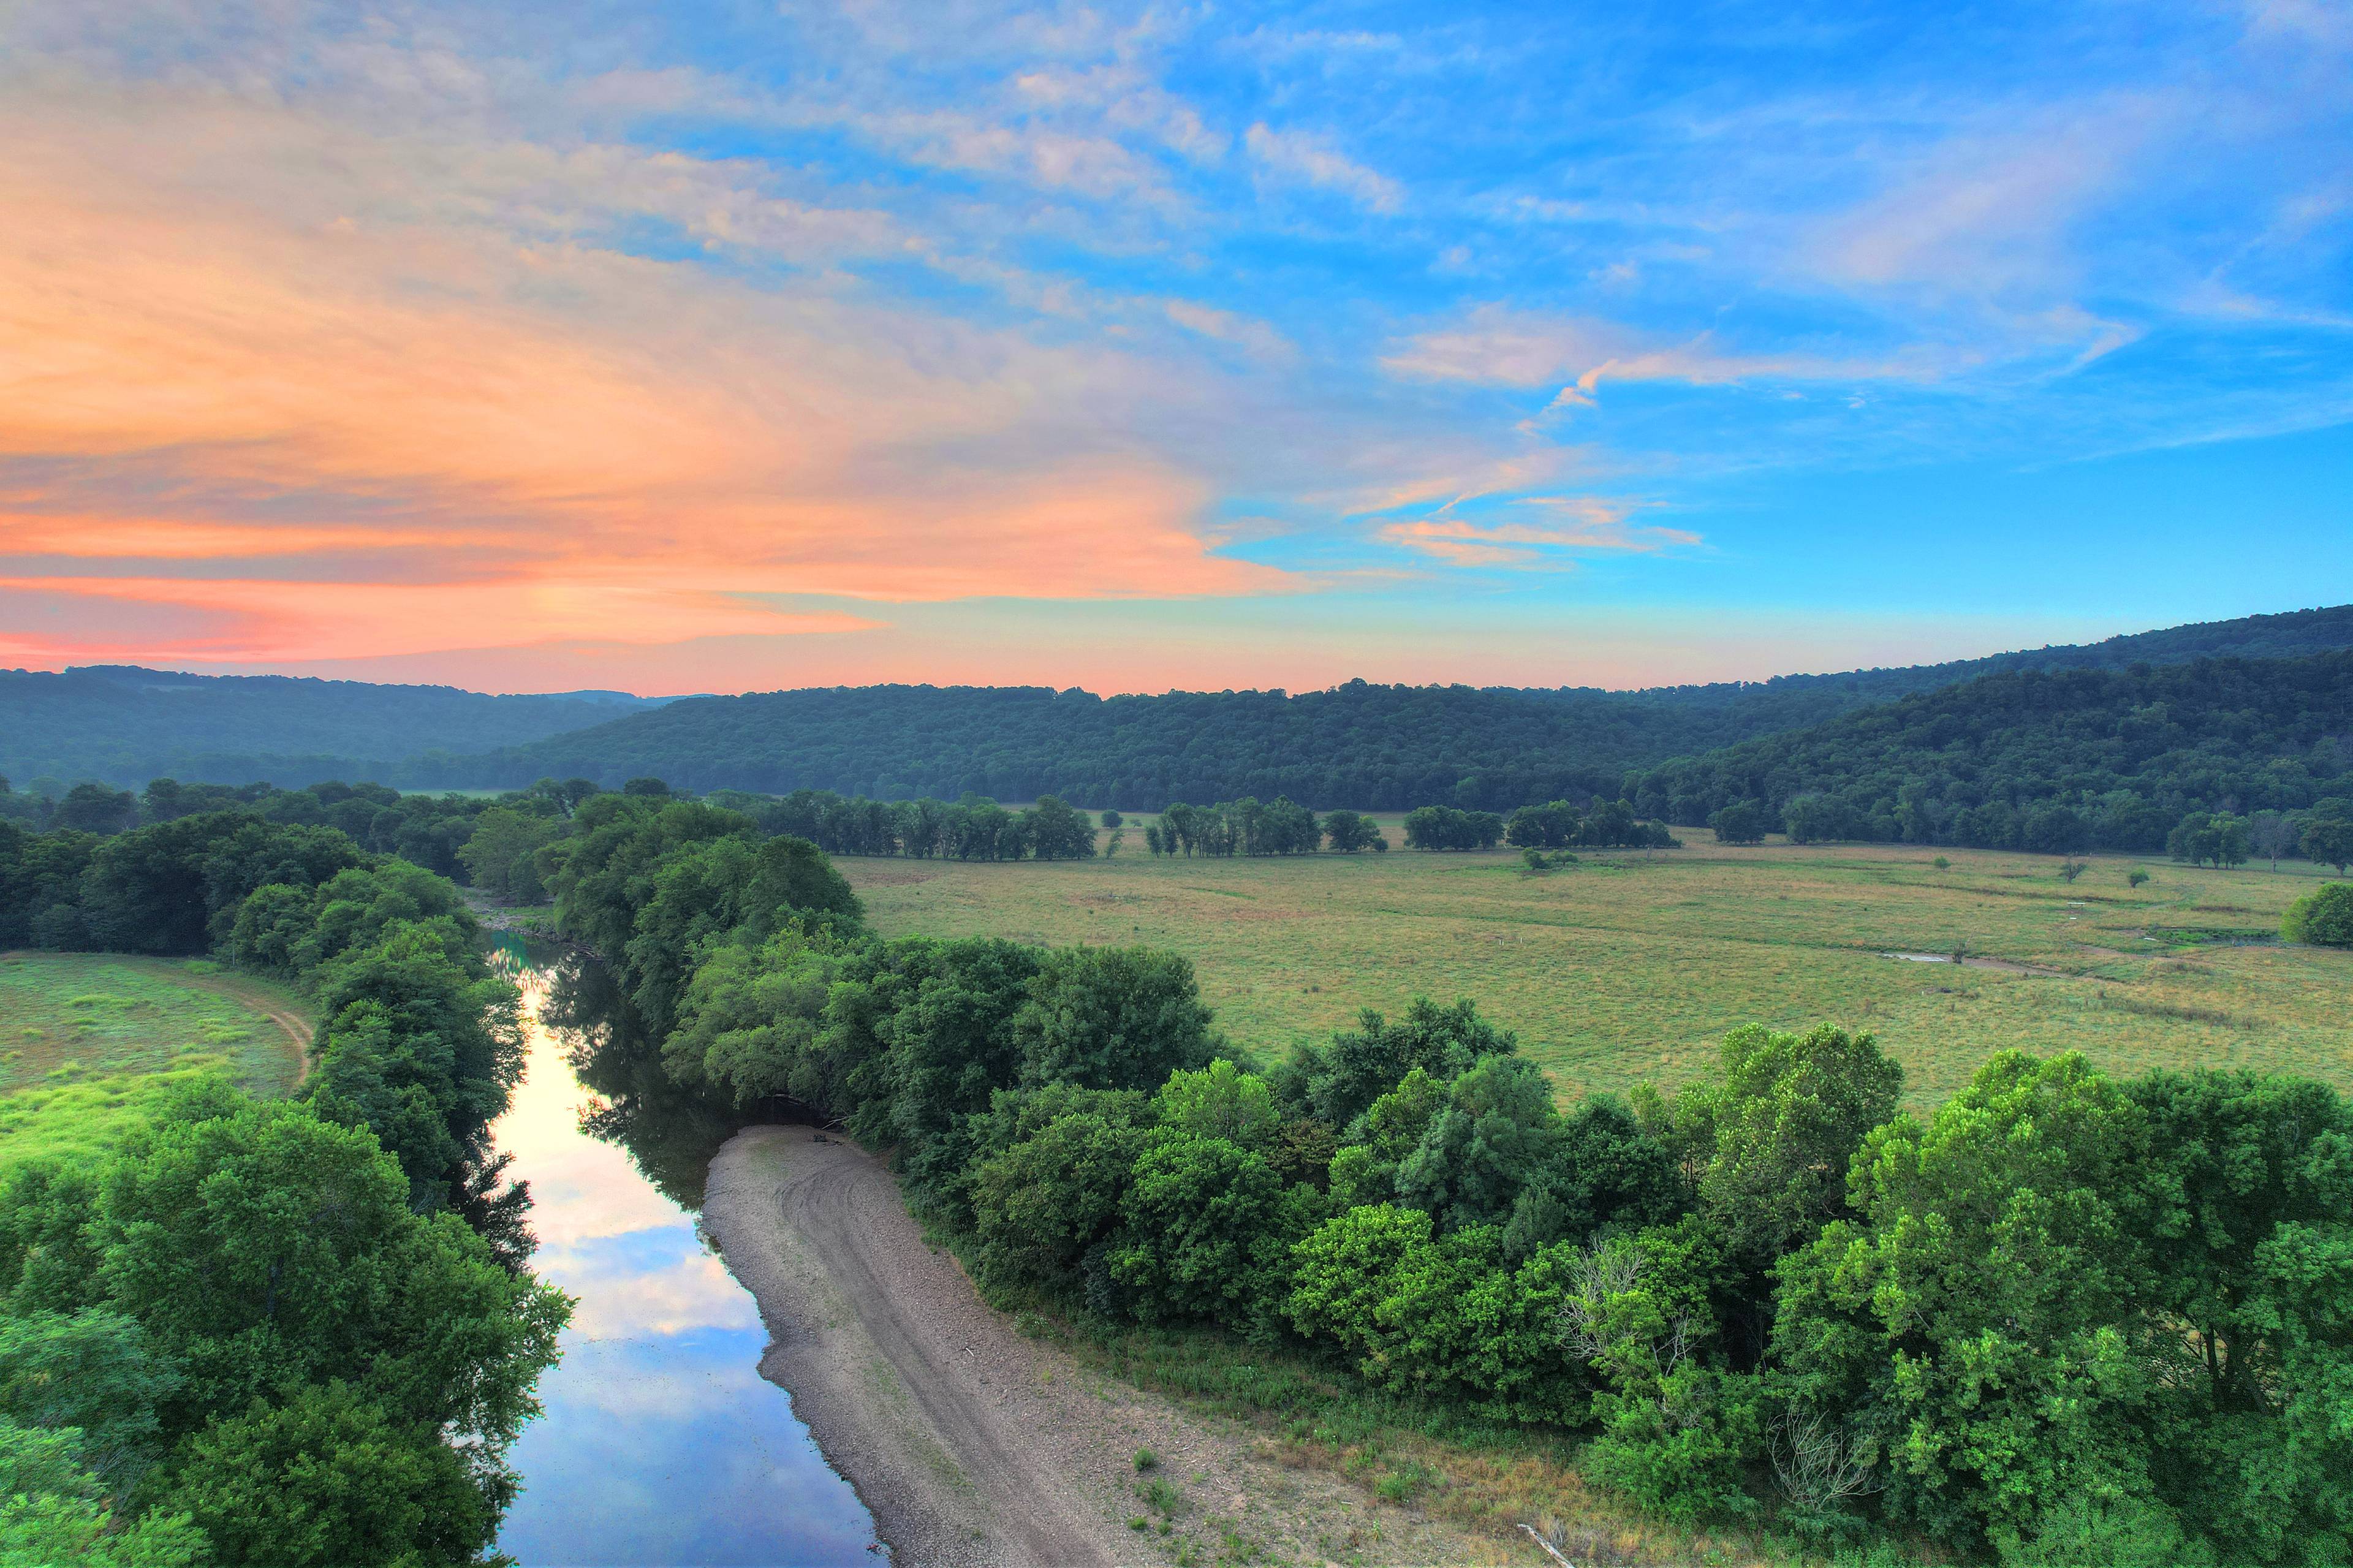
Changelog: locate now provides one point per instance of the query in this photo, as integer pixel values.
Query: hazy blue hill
(125, 725)
(1357, 744)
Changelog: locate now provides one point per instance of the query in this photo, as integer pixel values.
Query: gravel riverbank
(973, 1446)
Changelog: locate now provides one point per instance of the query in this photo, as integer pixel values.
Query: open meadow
(86, 1040)
(1631, 966)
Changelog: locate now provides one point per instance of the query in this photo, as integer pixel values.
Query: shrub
(2323, 916)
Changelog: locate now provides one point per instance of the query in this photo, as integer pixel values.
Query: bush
(2323, 916)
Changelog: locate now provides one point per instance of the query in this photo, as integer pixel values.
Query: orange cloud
(242, 335)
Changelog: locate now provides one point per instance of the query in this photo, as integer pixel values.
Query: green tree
(259, 1247)
(1974, 1322)
(59, 1512)
(500, 854)
(328, 1480)
(1048, 1201)
(1219, 1102)
(1335, 1083)
(1207, 1235)
(1742, 822)
(1111, 1017)
(1496, 1133)
(2323, 916)
(2329, 841)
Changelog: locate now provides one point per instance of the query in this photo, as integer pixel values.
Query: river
(661, 1443)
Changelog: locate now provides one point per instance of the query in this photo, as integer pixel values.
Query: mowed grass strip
(1631, 966)
(88, 1041)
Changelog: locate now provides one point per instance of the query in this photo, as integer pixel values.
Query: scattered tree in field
(2323, 916)
(1445, 827)
(1350, 832)
(2136, 877)
(2329, 840)
(2271, 834)
(1742, 822)
(2206, 838)
(1112, 819)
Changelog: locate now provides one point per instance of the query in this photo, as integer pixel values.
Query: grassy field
(89, 1040)
(1628, 967)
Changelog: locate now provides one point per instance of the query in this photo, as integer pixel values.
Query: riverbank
(972, 1445)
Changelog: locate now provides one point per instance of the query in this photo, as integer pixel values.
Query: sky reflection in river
(662, 1443)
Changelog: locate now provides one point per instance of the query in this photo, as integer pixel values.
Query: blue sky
(1143, 347)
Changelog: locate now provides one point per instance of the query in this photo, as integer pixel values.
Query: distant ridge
(125, 724)
(1356, 744)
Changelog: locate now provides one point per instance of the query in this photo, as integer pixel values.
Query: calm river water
(661, 1444)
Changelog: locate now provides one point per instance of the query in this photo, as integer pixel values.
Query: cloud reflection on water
(661, 1443)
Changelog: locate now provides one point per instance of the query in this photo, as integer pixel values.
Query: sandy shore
(972, 1445)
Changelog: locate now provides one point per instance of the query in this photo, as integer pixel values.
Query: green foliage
(328, 1480)
(1357, 744)
(1208, 1234)
(1778, 1130)
(1338, 1082)
(56, 1511)
(2059, 763)
(1222, 1102)
(1051, 1197)
(2328, 838)
(1111, 1018)
(1446, 827)
(501, 854)
(1350, 832)
(2323, 916)
(1739, 822)
(1975, 1317)
(2206, 838)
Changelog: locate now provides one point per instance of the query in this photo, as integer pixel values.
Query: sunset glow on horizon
(549, 349)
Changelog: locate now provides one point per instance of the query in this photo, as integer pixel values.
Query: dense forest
(2062, 1319)
(1360, 746)
(301, 1331)
(1357, 745)
(2055, 763)
(120, 724)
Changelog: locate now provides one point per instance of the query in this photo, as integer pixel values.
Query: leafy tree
(1742, 822)
(2205, 838)
(2245, 1331)
(328, 1480)
(1676, 1429)
(1350, 832)
(94, 808)
(1218, 1101)
(1335, 1083)
(1496, 1133)
(2329, 840)
(1113, 820)
(1042, 1206)
(57, 1512)
(95, 1371)
(1111, 1017)
(1974, 1320)
(2323, 916)
(1206, 1234)
(500, 853)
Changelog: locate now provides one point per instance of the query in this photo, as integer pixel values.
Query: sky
(728, 347)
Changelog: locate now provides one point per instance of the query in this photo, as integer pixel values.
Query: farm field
(1628, 967)
(89, 1039)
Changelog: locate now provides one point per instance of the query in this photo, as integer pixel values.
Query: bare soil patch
(972, 1445)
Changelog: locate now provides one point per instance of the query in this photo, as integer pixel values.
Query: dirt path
(299, 1030)
(972, 1445)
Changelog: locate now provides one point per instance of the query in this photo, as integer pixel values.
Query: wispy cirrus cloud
(1553, 530)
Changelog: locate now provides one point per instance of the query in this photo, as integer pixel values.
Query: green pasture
(1631, 966)
(88, 1041)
